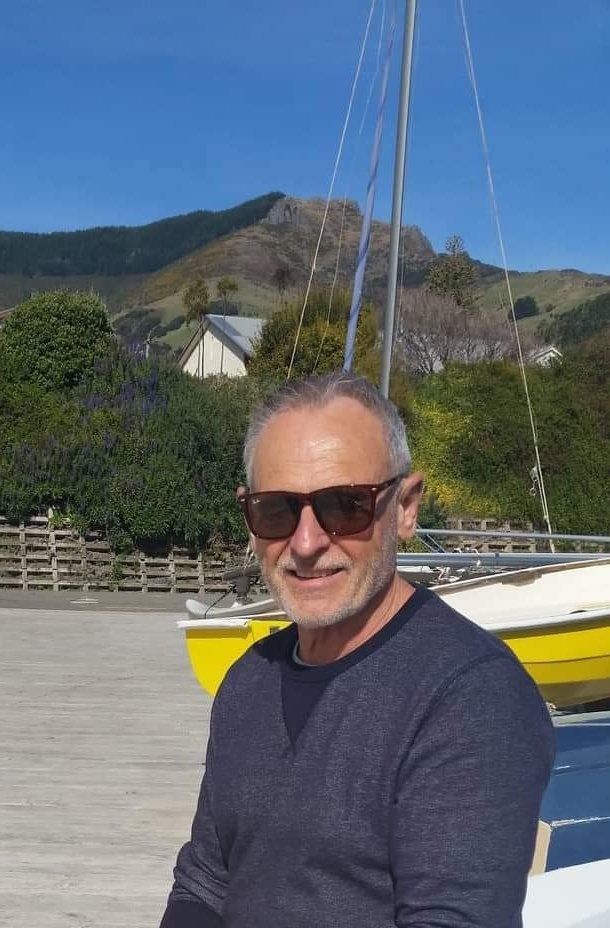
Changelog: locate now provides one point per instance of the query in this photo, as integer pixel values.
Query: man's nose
(309, 538)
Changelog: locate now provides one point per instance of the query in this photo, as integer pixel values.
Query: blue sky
(121, 113)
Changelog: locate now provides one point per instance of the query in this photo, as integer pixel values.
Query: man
(381, 762)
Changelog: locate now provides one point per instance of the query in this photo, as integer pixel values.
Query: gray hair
(316, 392)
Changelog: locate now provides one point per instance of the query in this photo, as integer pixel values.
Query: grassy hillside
(286, 237)
(586, 321)
(556, 292)
(249, 243)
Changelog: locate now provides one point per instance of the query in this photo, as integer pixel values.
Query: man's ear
(408, 500)
(239, 494)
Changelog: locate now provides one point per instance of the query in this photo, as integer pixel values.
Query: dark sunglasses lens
(273, 515)
(344, 511)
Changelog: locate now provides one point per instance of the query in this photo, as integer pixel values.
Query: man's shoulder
(439, 643)
(450, 659)
(435, 623)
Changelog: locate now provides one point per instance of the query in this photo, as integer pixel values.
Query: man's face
(322, 579)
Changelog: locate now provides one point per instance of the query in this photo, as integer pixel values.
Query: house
(223, 345)
(545, 356)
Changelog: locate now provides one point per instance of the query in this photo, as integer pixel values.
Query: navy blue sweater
(398, 786)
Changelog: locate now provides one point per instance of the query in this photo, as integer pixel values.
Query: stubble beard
(374, 579)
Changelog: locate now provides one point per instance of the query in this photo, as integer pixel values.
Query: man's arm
(200, 875)
(467, 802)
(190, 915)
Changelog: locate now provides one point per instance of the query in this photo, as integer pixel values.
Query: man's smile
(313, 578)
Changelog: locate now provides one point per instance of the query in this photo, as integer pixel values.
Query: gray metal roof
(241, 330)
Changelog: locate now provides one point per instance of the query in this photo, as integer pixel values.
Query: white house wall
(232, 365)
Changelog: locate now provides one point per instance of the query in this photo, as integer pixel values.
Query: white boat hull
(575, 897)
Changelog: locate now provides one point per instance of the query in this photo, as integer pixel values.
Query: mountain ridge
(118, 250)
(249, 242)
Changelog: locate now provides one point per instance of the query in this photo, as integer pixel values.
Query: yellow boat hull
(571, 665)
(213, 650)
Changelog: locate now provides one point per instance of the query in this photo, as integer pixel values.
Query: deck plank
(103, 732)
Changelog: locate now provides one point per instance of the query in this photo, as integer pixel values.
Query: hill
(142, 272)
(584, 322)
(286, 237)
(556, 292)
(118, 250)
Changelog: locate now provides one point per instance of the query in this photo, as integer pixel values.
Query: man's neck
(323, 645)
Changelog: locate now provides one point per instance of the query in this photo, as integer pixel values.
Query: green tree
(282, 278)
(225, 288)
(321, 340)
(196, 299)
(453, 274)
(53, 339)
(526, 306)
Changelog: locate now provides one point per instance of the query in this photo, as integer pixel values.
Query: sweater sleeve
(467, 800)
(200, 875)
(190, 915)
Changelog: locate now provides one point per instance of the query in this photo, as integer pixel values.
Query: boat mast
(397, 195)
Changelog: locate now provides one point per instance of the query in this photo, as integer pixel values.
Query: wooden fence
(488, 546)
(36, 555)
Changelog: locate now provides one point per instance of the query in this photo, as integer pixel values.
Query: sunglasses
(342, 510)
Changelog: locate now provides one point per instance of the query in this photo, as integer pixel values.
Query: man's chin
(313, 612)
(312, 621)
(312, 602)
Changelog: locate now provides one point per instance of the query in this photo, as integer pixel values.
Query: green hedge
(471, 436)
(140, 450)
(151, 455)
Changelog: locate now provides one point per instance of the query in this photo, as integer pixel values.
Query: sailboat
(556, 619)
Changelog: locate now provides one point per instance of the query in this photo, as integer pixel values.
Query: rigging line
(332, 289)
(347, 185)
(332, 182)
(496, 215)
(377, 64)
(365, 232)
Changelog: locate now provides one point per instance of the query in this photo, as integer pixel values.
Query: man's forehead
(336, 419)
(341, 441)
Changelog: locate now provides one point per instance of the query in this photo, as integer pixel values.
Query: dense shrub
(53, 339)
(526, 306)
(152, 456)
(321, 342)
(140, 449)
(472, 438)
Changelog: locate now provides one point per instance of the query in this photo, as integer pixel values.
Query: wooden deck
(103, 731)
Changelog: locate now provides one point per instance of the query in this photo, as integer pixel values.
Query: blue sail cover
(365, 233)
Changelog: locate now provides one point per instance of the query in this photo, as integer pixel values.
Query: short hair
(316, 392)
